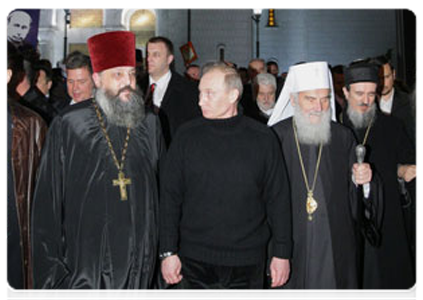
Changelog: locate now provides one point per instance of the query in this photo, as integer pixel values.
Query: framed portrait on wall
(188, 53)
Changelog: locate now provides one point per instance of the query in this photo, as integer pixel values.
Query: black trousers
(200, 275)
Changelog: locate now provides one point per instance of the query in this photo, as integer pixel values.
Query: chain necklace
(121, 181)
(311, 204)
(367, 130)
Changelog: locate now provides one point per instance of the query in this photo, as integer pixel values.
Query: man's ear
(97, 79)
(346, 93)
(233, 96)
(170, 58)
(9, 75)
(292, 99)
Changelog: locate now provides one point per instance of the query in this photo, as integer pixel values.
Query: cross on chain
(122, 182)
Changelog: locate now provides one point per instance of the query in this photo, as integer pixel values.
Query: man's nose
(366, 99)
(318, 105)
(126, 79)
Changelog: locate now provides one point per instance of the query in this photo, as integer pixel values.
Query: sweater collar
(228, 122)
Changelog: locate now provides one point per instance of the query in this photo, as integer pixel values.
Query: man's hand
(362, 173)
(407, 172)
(279, 271)
(171, 269)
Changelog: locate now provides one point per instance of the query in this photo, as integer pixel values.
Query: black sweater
(224, 191)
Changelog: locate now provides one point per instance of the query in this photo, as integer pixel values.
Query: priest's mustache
(316, 113)
(126, 88)
(364, 104)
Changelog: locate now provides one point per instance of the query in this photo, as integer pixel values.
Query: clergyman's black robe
(327, 249)
(388, 266)
(83, 235)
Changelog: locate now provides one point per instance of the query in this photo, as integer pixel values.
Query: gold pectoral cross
(122, 182)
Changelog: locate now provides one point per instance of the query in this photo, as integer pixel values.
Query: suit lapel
(168, 93)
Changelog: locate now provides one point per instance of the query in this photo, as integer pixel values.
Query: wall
(173, 24)
(337, 36)
(229, 28)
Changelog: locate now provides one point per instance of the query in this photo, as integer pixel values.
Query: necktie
(152, 88)
(155, 108)
(149, 96)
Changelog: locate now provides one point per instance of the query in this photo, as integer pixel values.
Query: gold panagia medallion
(311, 205)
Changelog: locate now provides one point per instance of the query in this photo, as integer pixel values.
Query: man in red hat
(95, 207)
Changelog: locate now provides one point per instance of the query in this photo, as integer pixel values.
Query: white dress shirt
(160, 89)
(386, 105)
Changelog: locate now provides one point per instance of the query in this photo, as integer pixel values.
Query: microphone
(360, 152)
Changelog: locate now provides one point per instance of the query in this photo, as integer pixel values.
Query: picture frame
(188, 53)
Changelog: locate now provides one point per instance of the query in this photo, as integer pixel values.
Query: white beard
(267, 112)
(265, 109)
(361, 120)
(309, 133)
(123, 114)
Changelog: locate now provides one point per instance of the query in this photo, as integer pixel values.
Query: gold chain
(311, 202)
(109, 143)
(367, 130)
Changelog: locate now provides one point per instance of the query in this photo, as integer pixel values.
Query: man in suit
(172, 96)
(30, 95)
(394, 101)
(44, 77)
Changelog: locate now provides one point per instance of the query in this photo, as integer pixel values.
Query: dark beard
(120, 113)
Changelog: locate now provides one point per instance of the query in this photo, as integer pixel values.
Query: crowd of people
(125, 175)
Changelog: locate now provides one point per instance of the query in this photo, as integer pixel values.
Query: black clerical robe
(327, 249)
(390, 265)
(84, 235)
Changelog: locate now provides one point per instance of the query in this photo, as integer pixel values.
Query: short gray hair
(265, 79)
(232, 78)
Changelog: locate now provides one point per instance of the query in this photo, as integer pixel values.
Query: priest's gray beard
(120, 113)
(309, 133)
(361, 120)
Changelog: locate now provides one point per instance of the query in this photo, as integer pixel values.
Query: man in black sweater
(224, 194)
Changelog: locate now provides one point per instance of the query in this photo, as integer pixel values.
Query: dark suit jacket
(248, 106)
(179, 105)
(401, 109)
(34, 99)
